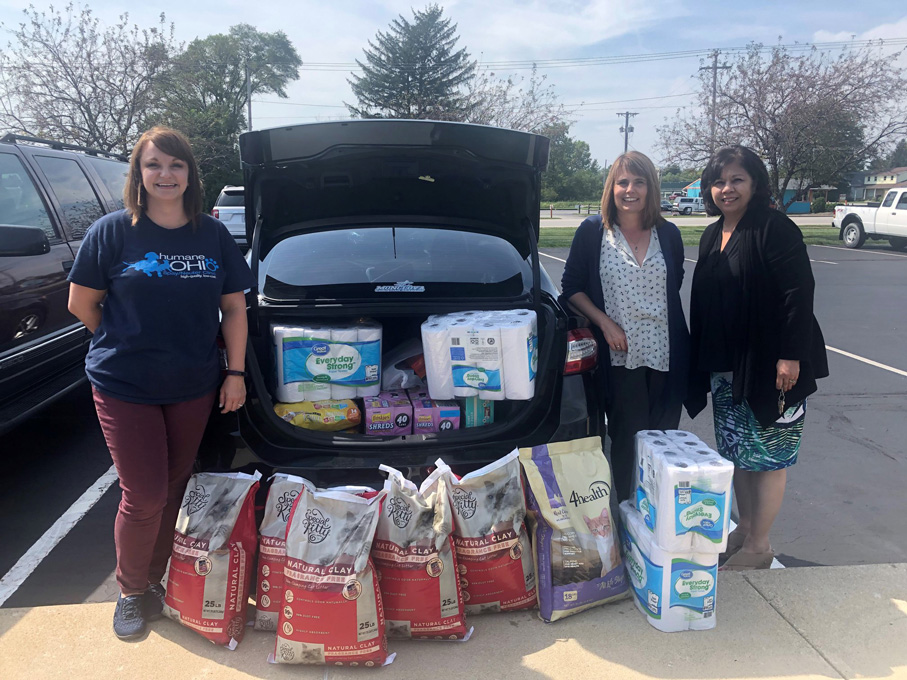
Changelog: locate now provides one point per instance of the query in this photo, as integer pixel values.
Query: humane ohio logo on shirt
(184, 266)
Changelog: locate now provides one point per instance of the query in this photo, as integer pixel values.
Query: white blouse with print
(636, 300)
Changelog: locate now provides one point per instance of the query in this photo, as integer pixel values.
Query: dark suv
(397, 220)
(50, 193)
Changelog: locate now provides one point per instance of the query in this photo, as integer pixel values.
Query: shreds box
(431, 415)
(390, 413)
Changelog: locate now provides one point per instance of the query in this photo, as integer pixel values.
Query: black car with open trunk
(398, 220)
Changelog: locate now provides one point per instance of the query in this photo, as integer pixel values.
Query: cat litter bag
(332, 611)
(214, 545)
(417, 566)
(577, 548)
(272, 547)
(492, 545)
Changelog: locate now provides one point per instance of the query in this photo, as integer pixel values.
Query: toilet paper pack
(318, 361)
(683, 491)
(492, 355)
(676, 591)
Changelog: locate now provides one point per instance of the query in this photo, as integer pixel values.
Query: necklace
(638, 241)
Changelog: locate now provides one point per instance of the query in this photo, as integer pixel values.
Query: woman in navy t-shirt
(154, 283)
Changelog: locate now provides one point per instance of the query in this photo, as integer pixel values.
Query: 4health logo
(184, 266)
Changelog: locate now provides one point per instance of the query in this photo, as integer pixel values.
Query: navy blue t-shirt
(156, 342)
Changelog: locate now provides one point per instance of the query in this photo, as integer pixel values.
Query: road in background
(570, 218)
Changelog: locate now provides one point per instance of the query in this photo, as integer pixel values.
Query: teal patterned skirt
(746, 443)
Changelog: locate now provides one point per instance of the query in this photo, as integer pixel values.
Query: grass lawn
(562, 237)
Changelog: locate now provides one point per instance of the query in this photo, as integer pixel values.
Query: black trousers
(638, 403)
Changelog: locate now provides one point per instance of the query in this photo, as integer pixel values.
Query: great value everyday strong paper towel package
(683, 491)
(336, 360)
(490, 355)
(676, 591)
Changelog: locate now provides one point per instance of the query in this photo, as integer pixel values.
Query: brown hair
(750, 162)
(640, 165)
(172, 143)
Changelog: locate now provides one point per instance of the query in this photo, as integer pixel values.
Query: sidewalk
(818, 622)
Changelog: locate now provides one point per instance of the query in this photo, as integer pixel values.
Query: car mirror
(16, 241)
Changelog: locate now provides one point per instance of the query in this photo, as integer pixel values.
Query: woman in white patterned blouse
(624, 274)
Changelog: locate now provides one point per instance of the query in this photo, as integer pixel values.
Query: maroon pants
(153, 447)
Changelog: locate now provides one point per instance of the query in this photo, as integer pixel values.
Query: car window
(113, 175)
(902, 202)
(404, 262)
(20, 202)
(77, 199)
(889, 199)
(230, 200)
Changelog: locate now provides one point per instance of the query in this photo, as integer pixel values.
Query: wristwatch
(241, 374)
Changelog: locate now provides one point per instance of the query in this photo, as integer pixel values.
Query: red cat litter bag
(272, 547)
(414, 555)
(492, 545)
(332, 611)
(213, 551)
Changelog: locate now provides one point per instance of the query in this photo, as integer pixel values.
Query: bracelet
(241, 374)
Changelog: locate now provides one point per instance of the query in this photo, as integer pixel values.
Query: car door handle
(67, 265)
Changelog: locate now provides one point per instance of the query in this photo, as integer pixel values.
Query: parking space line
(867, 361)
(823, 261)
(553, 257)
(22, 569)
(851, 250)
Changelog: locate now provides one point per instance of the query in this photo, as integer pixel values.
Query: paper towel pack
(676, 591)
(490, 355)
(318, 361)
(683, 491)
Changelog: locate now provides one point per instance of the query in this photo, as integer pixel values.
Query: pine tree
(414, 71)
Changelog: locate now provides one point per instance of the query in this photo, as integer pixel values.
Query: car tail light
(215, 213)
(582, 351)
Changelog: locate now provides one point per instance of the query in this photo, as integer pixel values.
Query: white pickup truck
(887, 221)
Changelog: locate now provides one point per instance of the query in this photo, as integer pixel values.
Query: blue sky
(507, 30)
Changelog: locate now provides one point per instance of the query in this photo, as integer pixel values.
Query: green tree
(674, 173)
(572, 174)
(206, 93)
(67, 77)
(896, 159)
(414, 71)
(807, 114)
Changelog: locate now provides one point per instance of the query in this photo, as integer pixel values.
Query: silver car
(230, 208)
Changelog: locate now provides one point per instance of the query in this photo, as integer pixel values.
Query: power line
(527, 64)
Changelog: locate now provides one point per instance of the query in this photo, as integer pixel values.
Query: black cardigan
(582, 275)
(777, 315)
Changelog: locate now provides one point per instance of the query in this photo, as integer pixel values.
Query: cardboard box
(430, 415)
(390, 413)
(478, 412)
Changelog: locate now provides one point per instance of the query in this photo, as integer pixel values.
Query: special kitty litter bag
(214, 547)
(417, 567)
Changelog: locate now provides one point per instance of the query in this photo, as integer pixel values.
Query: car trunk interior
(398, 326)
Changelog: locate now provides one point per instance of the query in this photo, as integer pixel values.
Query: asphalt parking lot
(844, 504)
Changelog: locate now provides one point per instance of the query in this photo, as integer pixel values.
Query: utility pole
(714, 69)
(626, 128)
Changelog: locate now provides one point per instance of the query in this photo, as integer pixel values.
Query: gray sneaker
(129, 617)
(154, 601)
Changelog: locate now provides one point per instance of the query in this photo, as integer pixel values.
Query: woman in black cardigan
(755, 343)
(624, 273)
